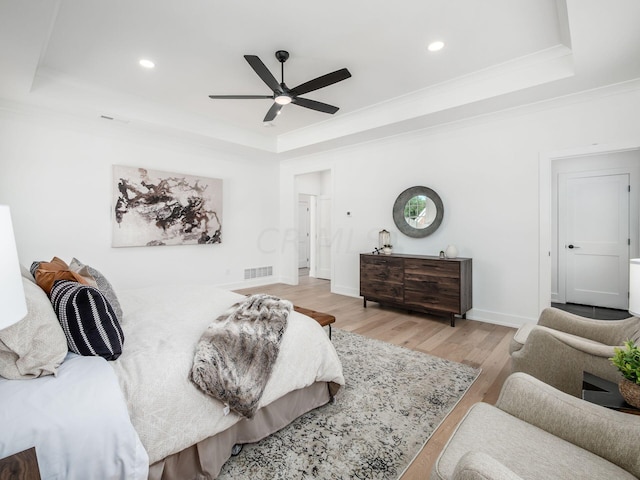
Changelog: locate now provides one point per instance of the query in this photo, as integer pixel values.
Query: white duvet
(77, 421)
(162, 326)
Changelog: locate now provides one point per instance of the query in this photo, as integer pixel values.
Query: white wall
(315, 183)
(56, 177)
(486, 171)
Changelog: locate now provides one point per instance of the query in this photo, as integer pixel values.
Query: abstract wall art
(152, 208)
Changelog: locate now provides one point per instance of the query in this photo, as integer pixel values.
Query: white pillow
(36, 345)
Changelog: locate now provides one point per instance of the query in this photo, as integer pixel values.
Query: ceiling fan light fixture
(435, 46)
(282, 99)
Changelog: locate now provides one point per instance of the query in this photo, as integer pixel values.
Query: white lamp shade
(634, 287)
(13, 307)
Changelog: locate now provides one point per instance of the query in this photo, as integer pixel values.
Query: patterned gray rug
(393, 401)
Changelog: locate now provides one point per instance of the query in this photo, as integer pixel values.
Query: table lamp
(13, 306)
(634, 287)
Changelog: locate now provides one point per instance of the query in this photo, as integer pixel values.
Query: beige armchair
(562, 345)
(538, 432)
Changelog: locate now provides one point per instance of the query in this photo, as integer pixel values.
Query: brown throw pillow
(48, 272)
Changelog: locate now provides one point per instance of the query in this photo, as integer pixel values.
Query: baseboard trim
(496, 318)
(256, 282)
(346, 291)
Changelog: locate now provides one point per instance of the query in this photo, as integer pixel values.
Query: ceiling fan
(283, 95)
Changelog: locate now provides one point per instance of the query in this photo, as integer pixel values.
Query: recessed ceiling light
(435, 46)
(147, 63)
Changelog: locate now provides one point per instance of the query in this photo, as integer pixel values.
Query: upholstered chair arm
(608, 332)
(612, 435)
(583, 344)
(480, 466)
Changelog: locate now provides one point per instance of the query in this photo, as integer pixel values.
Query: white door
(303, 233)
(594, 238)
(323, 263)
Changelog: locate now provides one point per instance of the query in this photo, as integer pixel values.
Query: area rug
(393, 401)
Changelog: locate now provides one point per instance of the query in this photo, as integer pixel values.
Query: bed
(140, 416)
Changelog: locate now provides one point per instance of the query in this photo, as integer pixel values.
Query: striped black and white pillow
(87, 319)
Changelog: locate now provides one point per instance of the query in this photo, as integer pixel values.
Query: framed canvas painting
(152, 207)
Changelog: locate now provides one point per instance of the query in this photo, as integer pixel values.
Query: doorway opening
(314, 224)
(594, 231)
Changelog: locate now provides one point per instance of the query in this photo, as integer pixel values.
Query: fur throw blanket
(236, 353)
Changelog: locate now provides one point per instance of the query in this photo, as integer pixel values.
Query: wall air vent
(258, 272)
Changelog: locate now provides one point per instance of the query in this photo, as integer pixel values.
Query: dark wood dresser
(417, 283)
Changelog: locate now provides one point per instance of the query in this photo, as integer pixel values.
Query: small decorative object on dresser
(417, 283)
(384, 242)
(384, 238)
(451, 251)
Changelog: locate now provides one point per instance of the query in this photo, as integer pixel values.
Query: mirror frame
(401, 202)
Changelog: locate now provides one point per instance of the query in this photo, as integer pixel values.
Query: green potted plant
(628, 362)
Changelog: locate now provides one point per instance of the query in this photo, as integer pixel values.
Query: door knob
(573, 246)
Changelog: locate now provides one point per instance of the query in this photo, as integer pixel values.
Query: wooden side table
(20, 466)
(324, 319)
(604, 393)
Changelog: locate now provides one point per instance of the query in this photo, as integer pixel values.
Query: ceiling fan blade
(239, 97)
(313, 105)
(263, 72)
(273, 112)
(320, 82)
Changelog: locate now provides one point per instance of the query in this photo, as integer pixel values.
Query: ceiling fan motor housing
(282, 56)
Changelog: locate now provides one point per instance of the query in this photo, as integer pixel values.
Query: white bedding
(70, 419)
(162, 326)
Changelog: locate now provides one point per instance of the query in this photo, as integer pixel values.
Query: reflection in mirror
(418, 211)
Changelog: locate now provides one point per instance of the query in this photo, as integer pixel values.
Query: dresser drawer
(432, 299)
(373, 269)
(430, 285)
(381, 260)
(382, 291)
(433, 268)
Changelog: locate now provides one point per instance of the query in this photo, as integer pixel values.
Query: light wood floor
(478, 344)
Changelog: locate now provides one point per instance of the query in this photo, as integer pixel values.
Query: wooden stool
(324, 319)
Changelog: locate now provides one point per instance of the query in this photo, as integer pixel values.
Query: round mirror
(418, 211)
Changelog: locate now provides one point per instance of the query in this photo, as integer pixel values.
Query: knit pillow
(87, 319)
(101, 283)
